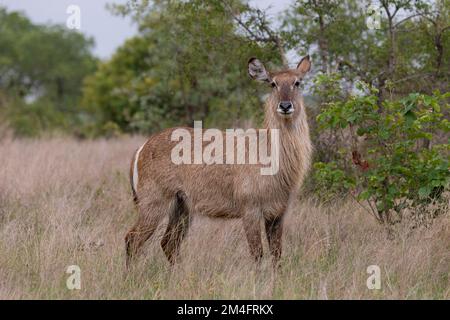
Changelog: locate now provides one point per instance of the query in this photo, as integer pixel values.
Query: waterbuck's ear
(304, 65)
(257, 71)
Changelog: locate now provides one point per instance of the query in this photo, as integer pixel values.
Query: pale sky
(108, 31)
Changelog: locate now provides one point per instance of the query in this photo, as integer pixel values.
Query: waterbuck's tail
(135, 199)
(134, 174)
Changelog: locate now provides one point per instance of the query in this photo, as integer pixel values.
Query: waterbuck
(162, 188)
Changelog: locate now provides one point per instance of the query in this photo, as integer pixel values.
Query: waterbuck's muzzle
(285, 107)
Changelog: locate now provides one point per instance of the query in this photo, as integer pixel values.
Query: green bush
(30, 120)
(397, 155)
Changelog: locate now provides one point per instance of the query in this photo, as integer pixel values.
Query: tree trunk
(323, 46)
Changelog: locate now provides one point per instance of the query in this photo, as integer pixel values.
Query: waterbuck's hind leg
(150, 215)
(177, 228)
(274, 233)
(251, 222)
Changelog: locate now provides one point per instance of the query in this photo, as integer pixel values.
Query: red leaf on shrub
(356, 158)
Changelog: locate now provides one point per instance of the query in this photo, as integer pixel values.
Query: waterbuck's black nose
(285, 106)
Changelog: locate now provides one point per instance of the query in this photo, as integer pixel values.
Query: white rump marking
(135, 168)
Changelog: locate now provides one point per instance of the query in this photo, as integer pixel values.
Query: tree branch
(263, 32)
(407, 18)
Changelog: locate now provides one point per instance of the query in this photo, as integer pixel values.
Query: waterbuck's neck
(295, 145)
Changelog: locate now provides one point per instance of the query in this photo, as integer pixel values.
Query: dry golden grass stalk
(65, 202)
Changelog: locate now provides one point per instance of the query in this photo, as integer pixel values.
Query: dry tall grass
(64, 202)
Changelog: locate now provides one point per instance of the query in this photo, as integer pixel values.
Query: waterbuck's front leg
(251, 221)
(274, 233)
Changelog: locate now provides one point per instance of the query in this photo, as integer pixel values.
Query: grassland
(65, 202)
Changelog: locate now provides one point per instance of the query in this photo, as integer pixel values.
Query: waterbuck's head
(285, 99)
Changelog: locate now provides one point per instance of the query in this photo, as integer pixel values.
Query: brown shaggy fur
(225, 191)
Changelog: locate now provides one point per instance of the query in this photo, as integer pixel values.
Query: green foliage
(30, 120)
(41, 71)
(114, 92)
(396, 156)
(339, 31)
(188, 63)
(411, 50)
(331, 181)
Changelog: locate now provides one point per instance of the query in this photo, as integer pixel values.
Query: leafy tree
(395, 58)
(42, 68)
(112, 94)
(187, 63)
(405, 55)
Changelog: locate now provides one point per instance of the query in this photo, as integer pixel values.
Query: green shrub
(397, 155)
(30, 120)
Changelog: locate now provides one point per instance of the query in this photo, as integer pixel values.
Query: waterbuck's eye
(297, 83)
(273, 84)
